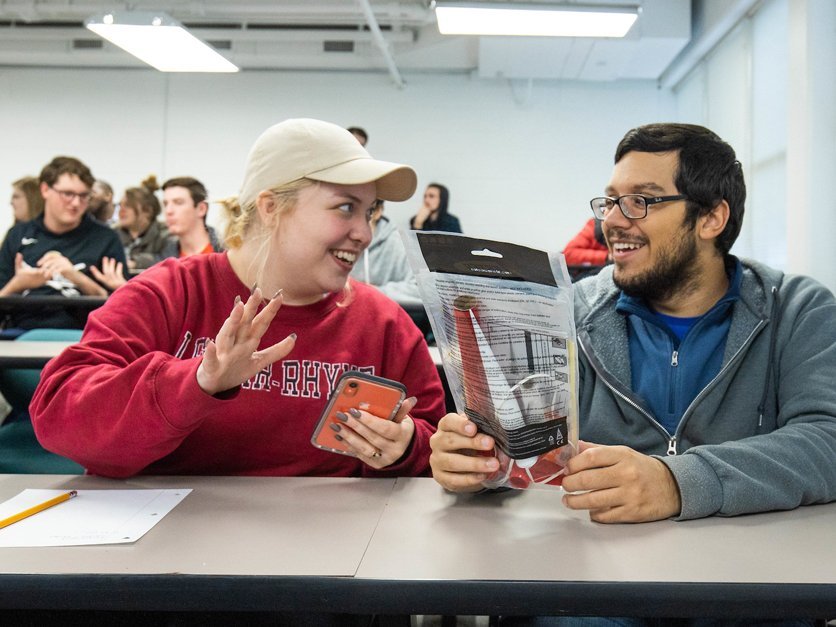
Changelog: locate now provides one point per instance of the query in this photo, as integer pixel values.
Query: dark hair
(142, 198)
(708, 171)
(66, 165)
(356, 130)
(31, 188)
(107, 187)
(443, 200)
(197, 190)
(99, 206)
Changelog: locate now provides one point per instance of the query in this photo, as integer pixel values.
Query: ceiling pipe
(330, 12)
(377, 36)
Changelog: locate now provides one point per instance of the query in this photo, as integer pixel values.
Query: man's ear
(712, 224)
(202, 208)
(44, 188)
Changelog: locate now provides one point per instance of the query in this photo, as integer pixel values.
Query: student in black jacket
(53, 254)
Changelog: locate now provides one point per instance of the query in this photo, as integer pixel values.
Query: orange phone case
(376, 395)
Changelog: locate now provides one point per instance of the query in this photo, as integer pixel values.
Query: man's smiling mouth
(621, 247)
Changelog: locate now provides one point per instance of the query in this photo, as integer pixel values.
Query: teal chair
(20, 451)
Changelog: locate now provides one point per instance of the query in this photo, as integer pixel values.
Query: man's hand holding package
(456, 460)
(618, 484)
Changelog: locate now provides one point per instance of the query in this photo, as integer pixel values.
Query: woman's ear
(267, 208)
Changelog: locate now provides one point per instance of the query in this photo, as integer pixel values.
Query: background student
(27, 202)
(142, 235)
(433, 214)
(101, 204)
(221, 364)
(185, 204)
(588, 247)
(360, 134)
(384, 263)
(53, 254)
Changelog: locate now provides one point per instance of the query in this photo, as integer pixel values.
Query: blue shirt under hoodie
(669, 372)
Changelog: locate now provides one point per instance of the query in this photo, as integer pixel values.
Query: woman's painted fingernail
(254, 287)
(237, 299)
(354, 412)
(335, 427)
(277, 294)
(293, 335)
(338, 438)
(341, 416)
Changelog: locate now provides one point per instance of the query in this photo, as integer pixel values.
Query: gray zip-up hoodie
(384, 265)
(761, 435)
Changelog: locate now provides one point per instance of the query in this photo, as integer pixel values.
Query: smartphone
(376, 395)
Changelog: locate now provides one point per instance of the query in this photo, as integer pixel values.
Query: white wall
(768, 89)
(811, 145)
(521, 165)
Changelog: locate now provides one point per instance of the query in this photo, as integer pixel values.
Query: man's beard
(674, 273)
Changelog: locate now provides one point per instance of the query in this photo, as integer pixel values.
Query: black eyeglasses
(633, 206)
(69, 196)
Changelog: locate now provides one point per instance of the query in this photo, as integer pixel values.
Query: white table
(522, 552)
(407, 547)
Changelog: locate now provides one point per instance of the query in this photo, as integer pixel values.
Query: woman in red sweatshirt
(221, 364)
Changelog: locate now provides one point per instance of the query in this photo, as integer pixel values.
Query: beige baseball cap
(306, 148)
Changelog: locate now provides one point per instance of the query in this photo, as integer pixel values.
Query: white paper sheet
(92, 517)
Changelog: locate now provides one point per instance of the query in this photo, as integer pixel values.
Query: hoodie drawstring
(367, 278)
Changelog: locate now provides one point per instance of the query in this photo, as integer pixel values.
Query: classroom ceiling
(390, 36)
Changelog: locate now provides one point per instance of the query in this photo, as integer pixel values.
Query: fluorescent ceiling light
(159, 40)
(541, 20)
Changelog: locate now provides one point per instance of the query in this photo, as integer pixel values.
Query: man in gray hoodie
(706, 382)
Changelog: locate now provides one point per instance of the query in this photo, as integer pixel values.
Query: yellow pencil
(37, 508)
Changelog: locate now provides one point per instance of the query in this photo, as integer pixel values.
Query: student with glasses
(706, 381)
(53, 254)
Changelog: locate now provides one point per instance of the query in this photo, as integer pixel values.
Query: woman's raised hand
(233, 357)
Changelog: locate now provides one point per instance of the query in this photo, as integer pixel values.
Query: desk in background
(407, 547)
(16, 302)
(25, 354)
(78, 306)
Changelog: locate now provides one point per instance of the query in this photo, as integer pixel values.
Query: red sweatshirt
(125, 400)
(584, 249)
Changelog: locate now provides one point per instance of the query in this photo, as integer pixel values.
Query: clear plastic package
(502, 318)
